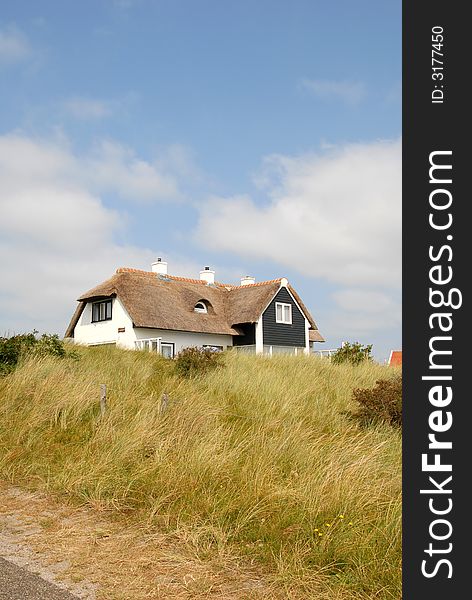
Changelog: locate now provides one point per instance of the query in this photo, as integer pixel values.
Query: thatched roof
(246, 303)
(167, 302)
(315, 336)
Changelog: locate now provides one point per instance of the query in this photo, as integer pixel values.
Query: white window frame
(214, 347)
(282, 306)
(104, 308)
(168, 344)
(148, 344)
(201, 307)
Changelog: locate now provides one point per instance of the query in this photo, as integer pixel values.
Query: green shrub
(382, 403)
(353, 353)
(50, 345)
(194, 361)
(11, 348)
(14, 347)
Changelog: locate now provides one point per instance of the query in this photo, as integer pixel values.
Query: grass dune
(255, 459)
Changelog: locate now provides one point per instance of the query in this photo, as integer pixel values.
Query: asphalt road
(19, 584)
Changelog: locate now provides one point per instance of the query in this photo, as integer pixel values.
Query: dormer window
(101, 311)
(200, 307)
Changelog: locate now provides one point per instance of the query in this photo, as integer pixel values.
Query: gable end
(282, 334)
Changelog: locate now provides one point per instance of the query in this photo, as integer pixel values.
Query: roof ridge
(256, 284)
(228, 286)
(131, 270)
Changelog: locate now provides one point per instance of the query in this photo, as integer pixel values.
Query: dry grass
(98, 557)
(249, 464)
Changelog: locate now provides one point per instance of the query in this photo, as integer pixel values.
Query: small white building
(160, 312)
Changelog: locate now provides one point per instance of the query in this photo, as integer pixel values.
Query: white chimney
(207, 275)
(159, 267)
(248, 280)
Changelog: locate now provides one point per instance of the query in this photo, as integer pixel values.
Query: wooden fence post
(164, 402)
(103, 398)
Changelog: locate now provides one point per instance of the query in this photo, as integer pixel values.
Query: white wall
(106, 332)
(259, 336)
(103, 332)
(184, 339)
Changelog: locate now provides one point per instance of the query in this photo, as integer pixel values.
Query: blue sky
(258, 137)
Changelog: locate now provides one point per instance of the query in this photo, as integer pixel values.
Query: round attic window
(200, 307)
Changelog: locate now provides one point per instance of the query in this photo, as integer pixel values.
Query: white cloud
(179, 159)
(368, 301)
(113, 166)
(108, 167)
(57, 238)
(14, 46)
(349, 92)
(87, 108)
(334, 216)
(368, 328)
(360, 312)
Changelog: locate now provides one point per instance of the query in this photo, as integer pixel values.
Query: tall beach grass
(255, 458)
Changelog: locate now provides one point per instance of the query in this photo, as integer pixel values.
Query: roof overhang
(315, 336)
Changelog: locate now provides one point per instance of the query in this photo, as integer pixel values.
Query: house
(164, 313)
(395, 358)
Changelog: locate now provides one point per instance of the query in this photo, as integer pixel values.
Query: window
(101, 311)
(283, 313)
(200, 307)
(150, 344)
(167, 349)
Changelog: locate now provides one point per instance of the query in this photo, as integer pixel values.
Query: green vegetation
(255, 459)
(16, 347)
(193, 361)
(353, 353)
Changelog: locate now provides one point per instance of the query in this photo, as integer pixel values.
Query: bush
(353, 353)
(51, 345)
(383, 403)
(14, 347)
(196, 361)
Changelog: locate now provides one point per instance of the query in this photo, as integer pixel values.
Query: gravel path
(17, 583)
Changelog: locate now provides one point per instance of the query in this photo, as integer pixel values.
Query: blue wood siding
(281, 334)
